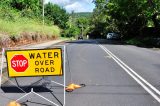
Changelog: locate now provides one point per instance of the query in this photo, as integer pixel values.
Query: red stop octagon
(19, 63)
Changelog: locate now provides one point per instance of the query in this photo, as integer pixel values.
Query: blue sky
(75, 5)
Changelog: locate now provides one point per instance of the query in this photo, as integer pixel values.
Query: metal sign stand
(2, 60)
(32, 92)
(64, 82)
(32, 89)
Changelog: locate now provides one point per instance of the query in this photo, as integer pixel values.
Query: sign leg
(2, 60)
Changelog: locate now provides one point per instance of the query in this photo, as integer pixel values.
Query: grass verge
(25, 25)
(148, 42)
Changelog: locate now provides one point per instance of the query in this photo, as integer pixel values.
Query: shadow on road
(97, 41)
(108, 42)
(27, 89)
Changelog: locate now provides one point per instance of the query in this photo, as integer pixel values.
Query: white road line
(134, 75)
(141, 78)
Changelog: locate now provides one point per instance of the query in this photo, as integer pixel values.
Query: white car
(112, 36)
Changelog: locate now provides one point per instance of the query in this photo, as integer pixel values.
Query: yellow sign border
(61, 69)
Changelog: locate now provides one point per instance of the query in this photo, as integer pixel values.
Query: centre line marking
(134, 75)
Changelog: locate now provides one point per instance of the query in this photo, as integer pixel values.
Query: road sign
(41, 62)
(19, 63)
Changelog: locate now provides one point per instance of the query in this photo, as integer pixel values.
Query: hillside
(83, 14)
(19, 27)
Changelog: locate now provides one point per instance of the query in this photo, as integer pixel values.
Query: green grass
(66, 38)
(15, 28)
(13, 24)
(134, 41)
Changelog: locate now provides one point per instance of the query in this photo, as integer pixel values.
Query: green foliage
(145, 42)
(8, 13)
(27, 16)
(82, 22)
(32, 9)
(127, 17)
(56, 14)
(71, 32)
(28, 8)
(78, 24)
(27, 25)
(82, 14)
(14, 21)
(134, 41)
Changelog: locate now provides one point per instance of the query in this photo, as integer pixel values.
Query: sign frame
(61, 68)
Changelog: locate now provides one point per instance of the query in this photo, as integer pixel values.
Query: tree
(153, 12)
(29, 8)
(56, 14)
(71, 32)
(82, 23)
(98, 19)
(127, 17)
(77, 24)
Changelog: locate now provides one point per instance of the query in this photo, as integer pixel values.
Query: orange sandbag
(13, 103)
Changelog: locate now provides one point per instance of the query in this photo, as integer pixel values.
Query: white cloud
(75, 5)
(60, 2)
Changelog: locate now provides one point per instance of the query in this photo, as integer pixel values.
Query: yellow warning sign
(41, 62)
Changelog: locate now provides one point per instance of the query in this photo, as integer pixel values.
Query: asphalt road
(107, 84)
(106, 79)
